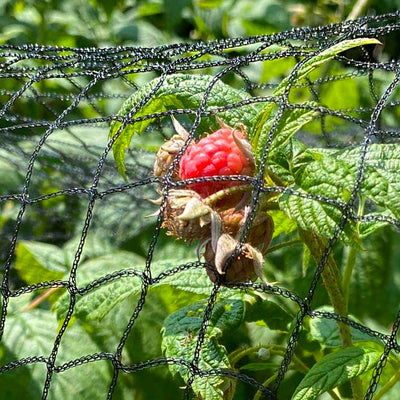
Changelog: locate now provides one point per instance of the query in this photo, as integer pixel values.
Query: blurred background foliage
(101, 23)
(51, 229)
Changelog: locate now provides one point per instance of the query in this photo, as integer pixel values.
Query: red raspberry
(215, 155)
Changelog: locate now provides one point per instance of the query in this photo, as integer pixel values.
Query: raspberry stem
(217, 196)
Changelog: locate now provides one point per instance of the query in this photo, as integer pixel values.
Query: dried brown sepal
(247, 265)
(245, 146)
(186, 216)
(240, 138)
(167, 152)
(261, 231)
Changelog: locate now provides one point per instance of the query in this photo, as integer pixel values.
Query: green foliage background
(100, 23)
(120, 234)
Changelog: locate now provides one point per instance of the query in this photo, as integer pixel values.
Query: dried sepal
(186, 216)
(168, 150)
(216, 229)
(194, 208)
(245, 266)
(245, 146)
(258, 261)
(225, 246)
(180, 130)
(261, 231)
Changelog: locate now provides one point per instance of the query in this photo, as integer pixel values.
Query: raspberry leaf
(97, 302)
(293, 120)
(39, 262)
(270, 314)
(31, 334)
(308, 66)
(176, 91)
(180, 336)
(337, 368)
(289, 124)
(326, 330)
(314, 215)
(304, 202)
(381, 180)
(333, 173)
(380, 184)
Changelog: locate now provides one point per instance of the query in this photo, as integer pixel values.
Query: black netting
(60, 186)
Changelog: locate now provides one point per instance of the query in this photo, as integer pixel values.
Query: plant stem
(278, 350)
(240, 354)
(265, 384)
(331, 279)
(392, 381)
(215, 197)
(284, 244)
(274, 349)
(351, 259)
(348, 270)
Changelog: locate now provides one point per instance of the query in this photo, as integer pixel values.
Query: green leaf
(33, 334)
(209, 3)
(19, 383)
(376, 266)
(335, 369)
(96, 304)
(322, 58)
(194, 280)
(39, 262)
(285, 162)
(294, 119)
(11, 177)
(173, 12)
(270, 313)
(389, 373)
(8, 211)
(282, 223)
(381, 182)
(263, 118)
(177, 91)
(367, 227)
(328, 177)
(325, 176)
(326, 331)
(276, 67)
(180, 335)
(97, 244)
(314, 215)
(289, 124)
(331, 95)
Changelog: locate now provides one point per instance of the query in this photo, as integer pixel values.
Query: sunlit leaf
(335, 369)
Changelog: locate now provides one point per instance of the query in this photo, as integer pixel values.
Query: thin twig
(39, 299)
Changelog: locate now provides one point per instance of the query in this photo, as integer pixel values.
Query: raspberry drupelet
(218, 154)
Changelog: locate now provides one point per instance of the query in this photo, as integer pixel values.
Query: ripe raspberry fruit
(224, 152)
